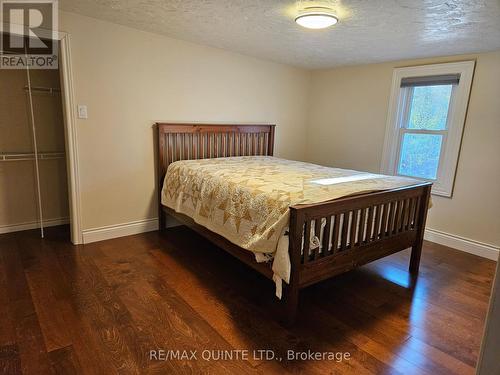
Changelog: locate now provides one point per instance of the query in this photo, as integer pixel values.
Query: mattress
(247, 199)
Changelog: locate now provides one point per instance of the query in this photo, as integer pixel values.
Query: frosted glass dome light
(316, 18)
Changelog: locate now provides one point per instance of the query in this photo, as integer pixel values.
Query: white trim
(463, 244)
(119, 230)
(32, 225)
(456, 121)
(71, 133)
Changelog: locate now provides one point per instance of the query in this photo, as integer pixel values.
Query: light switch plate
(82, 111)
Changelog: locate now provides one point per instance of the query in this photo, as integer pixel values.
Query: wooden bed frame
(364, 227)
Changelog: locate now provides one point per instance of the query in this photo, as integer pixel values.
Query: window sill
(441, 193)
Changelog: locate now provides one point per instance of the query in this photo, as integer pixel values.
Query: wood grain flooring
(102, 308)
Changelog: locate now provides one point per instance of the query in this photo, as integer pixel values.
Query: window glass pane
(419, 155)
(429, 107)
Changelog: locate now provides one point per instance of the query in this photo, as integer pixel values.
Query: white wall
(347, 126)
(129, 79)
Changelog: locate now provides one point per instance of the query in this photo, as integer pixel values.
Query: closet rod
(19, 156)
(35, 149)
(49, 90)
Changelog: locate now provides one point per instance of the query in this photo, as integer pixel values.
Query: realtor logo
(28, 34)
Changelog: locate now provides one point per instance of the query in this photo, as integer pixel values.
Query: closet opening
(33, 159)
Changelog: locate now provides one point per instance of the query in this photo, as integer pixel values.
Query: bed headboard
(203, 141)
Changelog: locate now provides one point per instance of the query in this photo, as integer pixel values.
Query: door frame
(70, 130)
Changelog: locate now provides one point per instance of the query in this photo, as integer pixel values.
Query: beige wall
(129, 79)
(347, 123)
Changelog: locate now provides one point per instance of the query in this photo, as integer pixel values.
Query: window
(425, 122)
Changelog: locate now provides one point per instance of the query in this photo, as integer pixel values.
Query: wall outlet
(82, 111)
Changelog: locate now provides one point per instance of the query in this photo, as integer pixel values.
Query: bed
(344, 219)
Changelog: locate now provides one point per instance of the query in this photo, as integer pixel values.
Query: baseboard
(33, 225)
(119, 230)
(148, 225)
(463, 244)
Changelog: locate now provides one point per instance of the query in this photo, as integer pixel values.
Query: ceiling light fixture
(316, 18)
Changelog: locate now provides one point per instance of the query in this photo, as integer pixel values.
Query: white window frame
(450, 147)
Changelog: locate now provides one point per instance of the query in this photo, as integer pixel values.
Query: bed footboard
(353, 231)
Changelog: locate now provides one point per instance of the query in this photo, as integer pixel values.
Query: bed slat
(307, 241)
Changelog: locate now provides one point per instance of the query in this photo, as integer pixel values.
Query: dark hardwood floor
(101, 308)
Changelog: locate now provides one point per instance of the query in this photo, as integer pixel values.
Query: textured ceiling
(369, 30)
